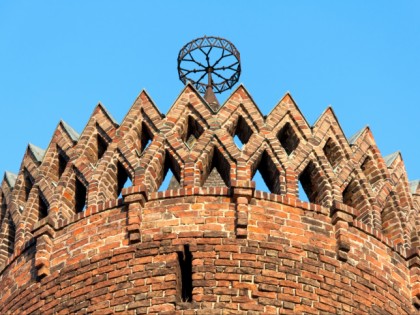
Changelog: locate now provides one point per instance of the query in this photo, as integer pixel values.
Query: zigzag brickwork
(85, 229)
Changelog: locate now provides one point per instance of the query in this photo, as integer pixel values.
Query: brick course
(74, 240)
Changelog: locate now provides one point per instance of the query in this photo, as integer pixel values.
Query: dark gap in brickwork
(219, 169)
(242, 132)
(80, 196)
(332, 152)
(123, 179)
(390, 222)
(185, 264)
(102, 146)
(3, 207)
(146, 137)
(269, 173)
(288, 138)
(42, 207)
(352, 196)
(28, 182)
(306, 179)
(370, 170)
(11, 236)
(194, 131)
(62, 163)
(171, 174)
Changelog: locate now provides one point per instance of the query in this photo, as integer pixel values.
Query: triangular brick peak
(10, 179)
(36, 152)
(329, 118)
(188, 102)
(241, 99)
(73, 134)
(393, 159)
(415, 187)
(283, 107)
(142, 106)
(99, 131)
(101, 107)
(353, 139)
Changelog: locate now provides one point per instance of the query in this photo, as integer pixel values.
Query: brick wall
(74, 240)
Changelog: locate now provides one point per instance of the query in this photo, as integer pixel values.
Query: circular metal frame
(206, 49)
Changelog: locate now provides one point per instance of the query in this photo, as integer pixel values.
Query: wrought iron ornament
(209, 62)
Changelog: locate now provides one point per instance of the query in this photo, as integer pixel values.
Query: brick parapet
(354, 194)
(281, 267)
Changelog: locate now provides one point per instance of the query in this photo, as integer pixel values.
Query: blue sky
(58, 59)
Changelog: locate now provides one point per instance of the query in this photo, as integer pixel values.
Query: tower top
(211, 64)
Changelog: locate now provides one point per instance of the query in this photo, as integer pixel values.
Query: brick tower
(85, 229)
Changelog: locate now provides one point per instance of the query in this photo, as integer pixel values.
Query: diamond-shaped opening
(332, 152)
(80, 194)
(288, 138)
(123, 179)
(171, 174)
(102, 146)
(28, 183)
(146, 137)
(43, 207)
(218, 171)
(11, 235)
(242, 132)
(307, 180)
(269, 179)
(194, 131)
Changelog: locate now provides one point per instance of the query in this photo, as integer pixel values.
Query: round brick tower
(85, 229)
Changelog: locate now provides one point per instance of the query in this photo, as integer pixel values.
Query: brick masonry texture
(75, 238)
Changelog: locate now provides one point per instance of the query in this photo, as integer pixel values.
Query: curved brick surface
(73, 240)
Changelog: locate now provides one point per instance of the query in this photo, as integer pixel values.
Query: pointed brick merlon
(73, 134)
(36, 152)
(391, 158)
(10, 178)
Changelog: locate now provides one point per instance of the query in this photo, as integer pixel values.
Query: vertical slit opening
(123, 179)
(80, 196)
(288, 138)
(218, 173)
(3, 207)
(332, 152)
(42, 207)
(194, 131)
(171, 174)
(62, 163)
(269, 174)
(11, 236)
(29, 182)
(102, 146)
(185, 264)
(307, 185)
(146, 137)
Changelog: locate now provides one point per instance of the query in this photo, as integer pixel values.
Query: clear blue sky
(59, 58)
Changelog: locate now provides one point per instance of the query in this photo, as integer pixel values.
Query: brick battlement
(85, 229)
